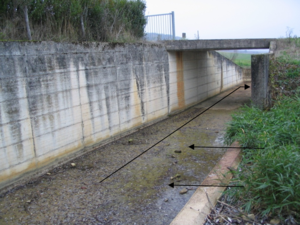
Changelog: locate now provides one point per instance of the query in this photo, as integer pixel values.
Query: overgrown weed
(271, 176)
(284, 76)
(71, 21)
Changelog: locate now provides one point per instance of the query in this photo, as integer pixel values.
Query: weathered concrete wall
(259, 81)
(195, 76)
(247, 74)
(58, 99)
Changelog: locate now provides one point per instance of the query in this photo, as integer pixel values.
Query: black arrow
(193, 147)
(245, 86)
(172, 185)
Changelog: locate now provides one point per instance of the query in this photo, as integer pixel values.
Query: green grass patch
(243, 60)
(271, 175)
(243, 63)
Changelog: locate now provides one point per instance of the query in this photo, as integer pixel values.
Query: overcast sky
(225, 19)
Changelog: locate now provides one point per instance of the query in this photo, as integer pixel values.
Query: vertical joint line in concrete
(173, 24)
(31, 118)
(222, 75)
(79, 90)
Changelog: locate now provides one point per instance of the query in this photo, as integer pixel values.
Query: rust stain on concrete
(35, 166)
(180, 81)
(12, 173)
(49, 158)
(137, 104)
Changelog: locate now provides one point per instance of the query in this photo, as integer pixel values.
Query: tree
(71, 20)
(27, 22)
(13, 7)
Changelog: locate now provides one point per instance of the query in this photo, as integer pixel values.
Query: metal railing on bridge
(160, 27)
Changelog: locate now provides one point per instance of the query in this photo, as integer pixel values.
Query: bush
(74, 20)
(271, 175)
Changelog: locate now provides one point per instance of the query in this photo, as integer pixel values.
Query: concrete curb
(198, 207)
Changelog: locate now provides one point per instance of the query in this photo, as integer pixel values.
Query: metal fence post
(160, 26)
(173, 24)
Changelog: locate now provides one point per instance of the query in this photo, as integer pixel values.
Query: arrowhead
(171, 185)
(246, 86)
(192, 147)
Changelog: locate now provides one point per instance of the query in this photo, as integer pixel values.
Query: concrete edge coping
(198, 207)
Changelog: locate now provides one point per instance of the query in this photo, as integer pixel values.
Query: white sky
(226, 19)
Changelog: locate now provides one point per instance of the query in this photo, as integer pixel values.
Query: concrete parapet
(186, 45)
(273, 47)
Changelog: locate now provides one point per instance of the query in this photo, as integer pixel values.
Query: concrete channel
(139, 193)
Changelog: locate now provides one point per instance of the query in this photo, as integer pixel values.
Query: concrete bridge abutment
(259, 72)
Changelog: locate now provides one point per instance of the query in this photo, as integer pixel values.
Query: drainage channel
(139, 193)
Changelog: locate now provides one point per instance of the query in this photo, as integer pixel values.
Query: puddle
(138, 193)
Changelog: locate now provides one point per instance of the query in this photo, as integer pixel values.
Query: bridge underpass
(194, 57)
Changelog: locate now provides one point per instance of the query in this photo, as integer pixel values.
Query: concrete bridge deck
(217, 44)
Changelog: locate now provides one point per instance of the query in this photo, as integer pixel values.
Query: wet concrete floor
(138, 193)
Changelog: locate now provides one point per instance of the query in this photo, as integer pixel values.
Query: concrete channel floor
(138, 193)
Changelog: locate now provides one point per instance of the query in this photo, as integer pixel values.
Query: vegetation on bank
(241, 59)
(72, 20)
(271, 175)
(284, 76)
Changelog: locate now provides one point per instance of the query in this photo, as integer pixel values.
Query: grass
(243, 60)
(243, 63)
(271, 176)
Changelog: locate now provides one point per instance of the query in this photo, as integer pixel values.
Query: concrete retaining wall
(247, 74)
(196, 76)
(60, 100)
